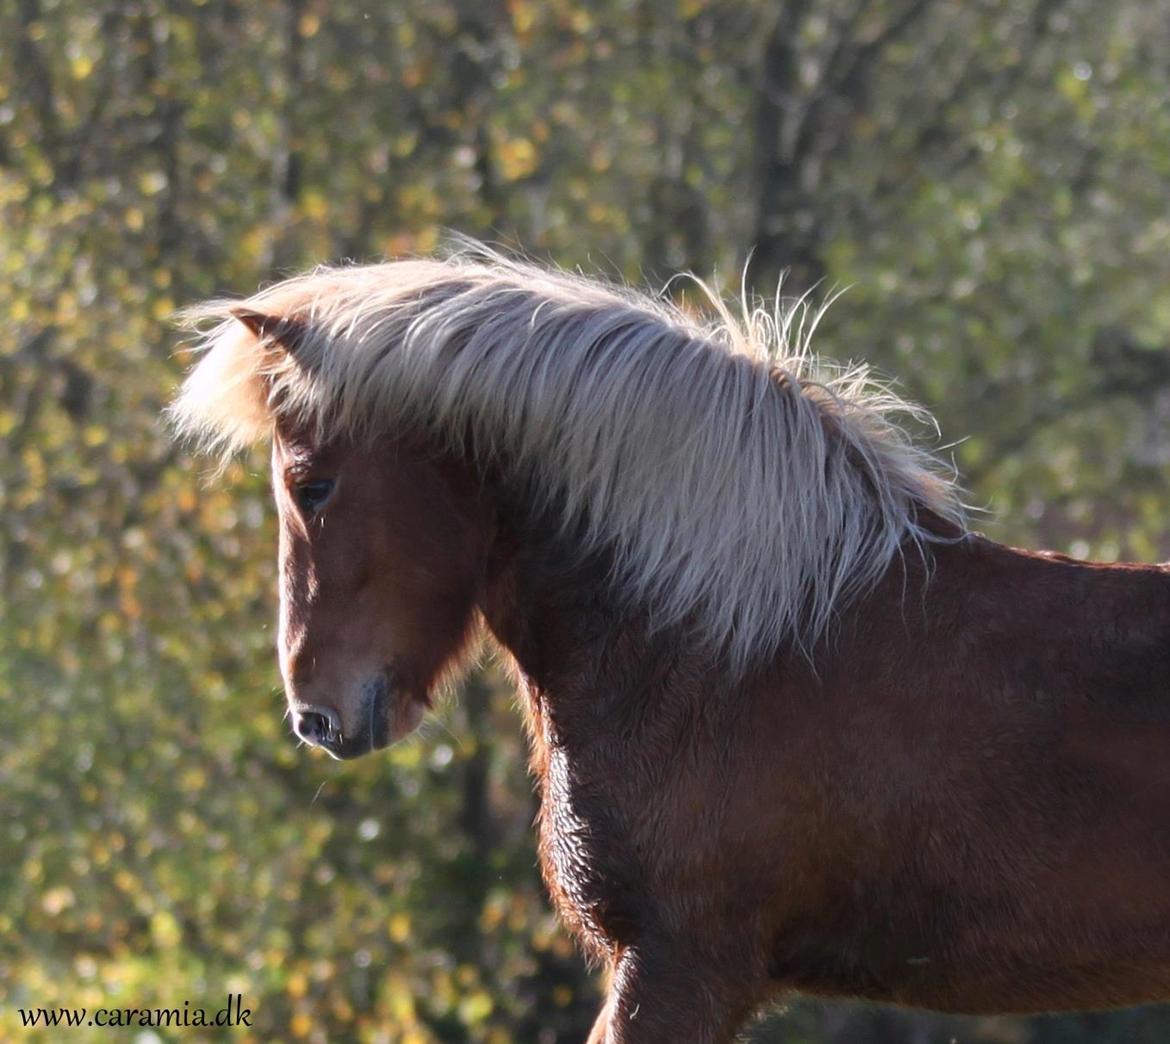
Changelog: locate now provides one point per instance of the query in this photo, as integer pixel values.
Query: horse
(795, 726)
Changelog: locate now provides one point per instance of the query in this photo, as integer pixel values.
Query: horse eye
(311, 495)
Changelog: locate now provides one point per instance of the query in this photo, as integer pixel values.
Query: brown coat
(964, 805)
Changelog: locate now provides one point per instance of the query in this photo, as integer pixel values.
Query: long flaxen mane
(741, 487)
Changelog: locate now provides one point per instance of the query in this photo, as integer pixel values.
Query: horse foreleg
(658, 996)
(600, 1027)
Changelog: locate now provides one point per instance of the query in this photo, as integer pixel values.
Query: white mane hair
(742, 487)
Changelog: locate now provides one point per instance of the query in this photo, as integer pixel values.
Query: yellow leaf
(315, 205)
(475, 1008)
(55, 900)
(523, 16)
(298, 985)
(399, 927)
(165, 930)
(517, 158)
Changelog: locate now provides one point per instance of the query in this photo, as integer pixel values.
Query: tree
(988, 178)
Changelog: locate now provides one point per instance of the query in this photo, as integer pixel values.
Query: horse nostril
(317, 725)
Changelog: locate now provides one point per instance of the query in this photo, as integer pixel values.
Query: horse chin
(389, 712)
(408, 716)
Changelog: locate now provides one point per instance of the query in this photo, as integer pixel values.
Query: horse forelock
(741, 486)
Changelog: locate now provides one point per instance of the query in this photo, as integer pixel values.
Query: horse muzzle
(371, 727)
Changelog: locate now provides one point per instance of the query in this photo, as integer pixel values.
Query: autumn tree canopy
(989, 181)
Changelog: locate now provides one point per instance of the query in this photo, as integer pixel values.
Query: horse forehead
(299, 449)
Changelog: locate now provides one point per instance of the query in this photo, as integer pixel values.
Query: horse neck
(594, 671)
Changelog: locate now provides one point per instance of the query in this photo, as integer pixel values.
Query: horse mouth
(388, 711)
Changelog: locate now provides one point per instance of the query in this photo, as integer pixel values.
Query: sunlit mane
(743, 488)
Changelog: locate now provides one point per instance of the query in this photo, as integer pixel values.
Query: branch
(849, 76)
(974, 76)
(32, 71)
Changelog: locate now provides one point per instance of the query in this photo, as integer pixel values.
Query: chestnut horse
(795, 728)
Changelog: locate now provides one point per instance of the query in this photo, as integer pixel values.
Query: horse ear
(284, 331)
(259, 323)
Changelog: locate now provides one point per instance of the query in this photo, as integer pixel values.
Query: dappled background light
(989, 180)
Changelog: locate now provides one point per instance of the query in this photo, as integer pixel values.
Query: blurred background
(991, 178)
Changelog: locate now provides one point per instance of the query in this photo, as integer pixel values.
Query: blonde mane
(742, 487)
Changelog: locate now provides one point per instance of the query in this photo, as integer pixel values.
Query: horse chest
(585, 857)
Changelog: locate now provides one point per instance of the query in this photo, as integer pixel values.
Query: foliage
(988, 178)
